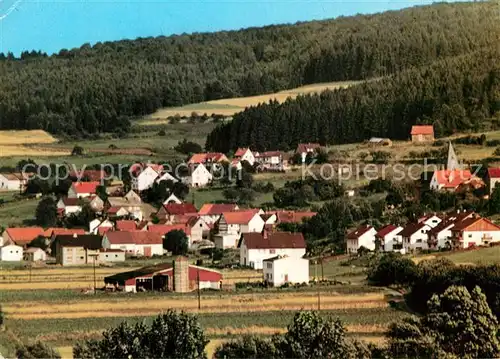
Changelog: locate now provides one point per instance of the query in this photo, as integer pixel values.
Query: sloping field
(12, 143)
(229, 107)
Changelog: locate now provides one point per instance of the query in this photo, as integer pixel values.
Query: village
(124, 226)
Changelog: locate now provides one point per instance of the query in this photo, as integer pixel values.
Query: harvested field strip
(50, 285)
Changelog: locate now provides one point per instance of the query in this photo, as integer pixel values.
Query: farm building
(107, 255)
(34, 254)
(13, 181)
(76, 249)
(363, 236)
(284, 269)
(21, 236)
(179, 276)
(11, 253)
(422, 134)
(134, 242)
(306, 148)
(377, 141)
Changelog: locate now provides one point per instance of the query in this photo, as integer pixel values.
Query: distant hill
(99, 88)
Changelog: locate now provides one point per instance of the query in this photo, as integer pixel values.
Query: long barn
(179, 276)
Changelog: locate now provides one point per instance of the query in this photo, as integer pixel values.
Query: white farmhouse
(144, 179)
(283, 269)
(244, 154)
(139, 243)
(415, 237)
(11, 253)
(474, 231)
(34, 254)
(83, 189)
(389, 239)
(13, 181)
(232, 224)
(211, 212)
(69, 205)
(363, 236)
(256, 247)
(200, 176)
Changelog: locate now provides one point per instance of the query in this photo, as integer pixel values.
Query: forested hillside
(99, 88)
(458, 93)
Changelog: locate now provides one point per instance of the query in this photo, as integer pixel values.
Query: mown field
(43, 310)
(229, 107)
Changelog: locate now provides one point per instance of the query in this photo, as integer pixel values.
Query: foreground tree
(171, 335)
(37, 350)
(459, 324)
(46, 212)
(176, 242)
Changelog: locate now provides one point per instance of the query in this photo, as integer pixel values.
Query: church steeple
(452, 159)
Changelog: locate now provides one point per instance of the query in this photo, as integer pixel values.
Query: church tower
(453, 163)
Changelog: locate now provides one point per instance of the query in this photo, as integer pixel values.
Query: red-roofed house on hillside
(231, 225)
(126, 225)
(493, 178)
(388, 237)
(21, 235)
(88, 175)
(207, 158)
(82, 189)
(256, 247)
(449, 180)
(14, 181)
(144, 175)
(422, 134)
(178, 276)
(244, 154)
(272, 161)
(211, 212)
(69, 205)
(415, 237)
(306, 148)
(474, 231)
(135, 243)
(163, 229)
(363, 236)
(172, 209)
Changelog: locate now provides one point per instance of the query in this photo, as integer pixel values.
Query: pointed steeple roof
(453, 163)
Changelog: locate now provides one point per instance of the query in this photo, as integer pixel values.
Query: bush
(393, 269)
(162, 133)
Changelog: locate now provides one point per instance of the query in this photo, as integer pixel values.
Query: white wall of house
(391, 239)
(417, 240)
(145, 179)
(443, 236)
(248, 156)
(95, 224)
(254, 257)
(11, 253)
(256, 224)
(209, 219)
(286, 270)
(35, 255)
(197, 231)
(366, 240)
(9, 185)
(435, 185)
(172, 199)
(200, 176)
(226, 240)
(111, 257)
(477, 238)
(134, 249)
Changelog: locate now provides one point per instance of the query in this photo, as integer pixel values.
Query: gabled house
(284, 269)
(67, 205)
(432, 220)
(244, 154)
(199, 176)
(126, 225)
(293, 216)
(414, 237)
(77, 250)
(172, 199)
(34, 254)
(136, 243)
(14, 181)
(231, 225)
(100, 226)
(422, 134)
(363, 236)
(307, 148)
(388, 237)
(449, 180)
(21, 236)
(198, 229)
(96, 203)
(51, 233)
(207, 158)
(11, 253)
(439, 236)
(166, 177)
(172, 209)
(82, 189)
(271, 161)
(143, 177)
(211, 212)
(493, 178)
(474, 231)
(256, 247)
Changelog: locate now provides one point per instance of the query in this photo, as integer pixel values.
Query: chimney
(264, 234)
(75, 235)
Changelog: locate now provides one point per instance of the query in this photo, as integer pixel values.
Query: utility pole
(30, 270)
(319, 295)
(199, 294)
(95, 285)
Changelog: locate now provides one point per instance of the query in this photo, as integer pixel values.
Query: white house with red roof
(83, 189)
(172, 199)
(422, 133)
(388, 237)
(449, 180)
(244, 154)
(283, 269)
(271, 160)
(493, 178)
(13, 181)
(21, 236)
(363, 236)
(200, 176)
(135, 243)
(307, 148)
(207, 158)
(211, 212)
(474, 231)
(256, 247)
(415, 237)
(69, 205)
(99, 226)
(176, 209)
(231, 225)
(144, 176)
(432, 220)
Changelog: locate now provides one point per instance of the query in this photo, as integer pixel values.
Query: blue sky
(51, 25)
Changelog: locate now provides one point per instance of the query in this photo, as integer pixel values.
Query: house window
(116, 255)
(470, 235)
(272, 251)
(106, 256)
(269, 265)
(81, 257)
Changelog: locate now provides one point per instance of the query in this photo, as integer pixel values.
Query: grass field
(229, 107)
(12, 143)
(18, 213)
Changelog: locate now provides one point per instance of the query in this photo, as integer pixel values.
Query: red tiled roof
(114, 210)
(165, 228)
(384, 231)
(85, 187)
(452, 179)
(24, 235)
(268, 154)
(238, 217)
(102, 230)
(422, 130)
(137, 168)
(494, 172)
(411, 228)
(240, 152)
(463, 225)
(180, 208)
(71, 201)
(134, 237)
(63, 231)
(293, 216)
(128, 225)
(273, 240)
(211, 209)
(206, 157)
(358, 232)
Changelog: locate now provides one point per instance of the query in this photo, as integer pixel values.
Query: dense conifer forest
(100, 88)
